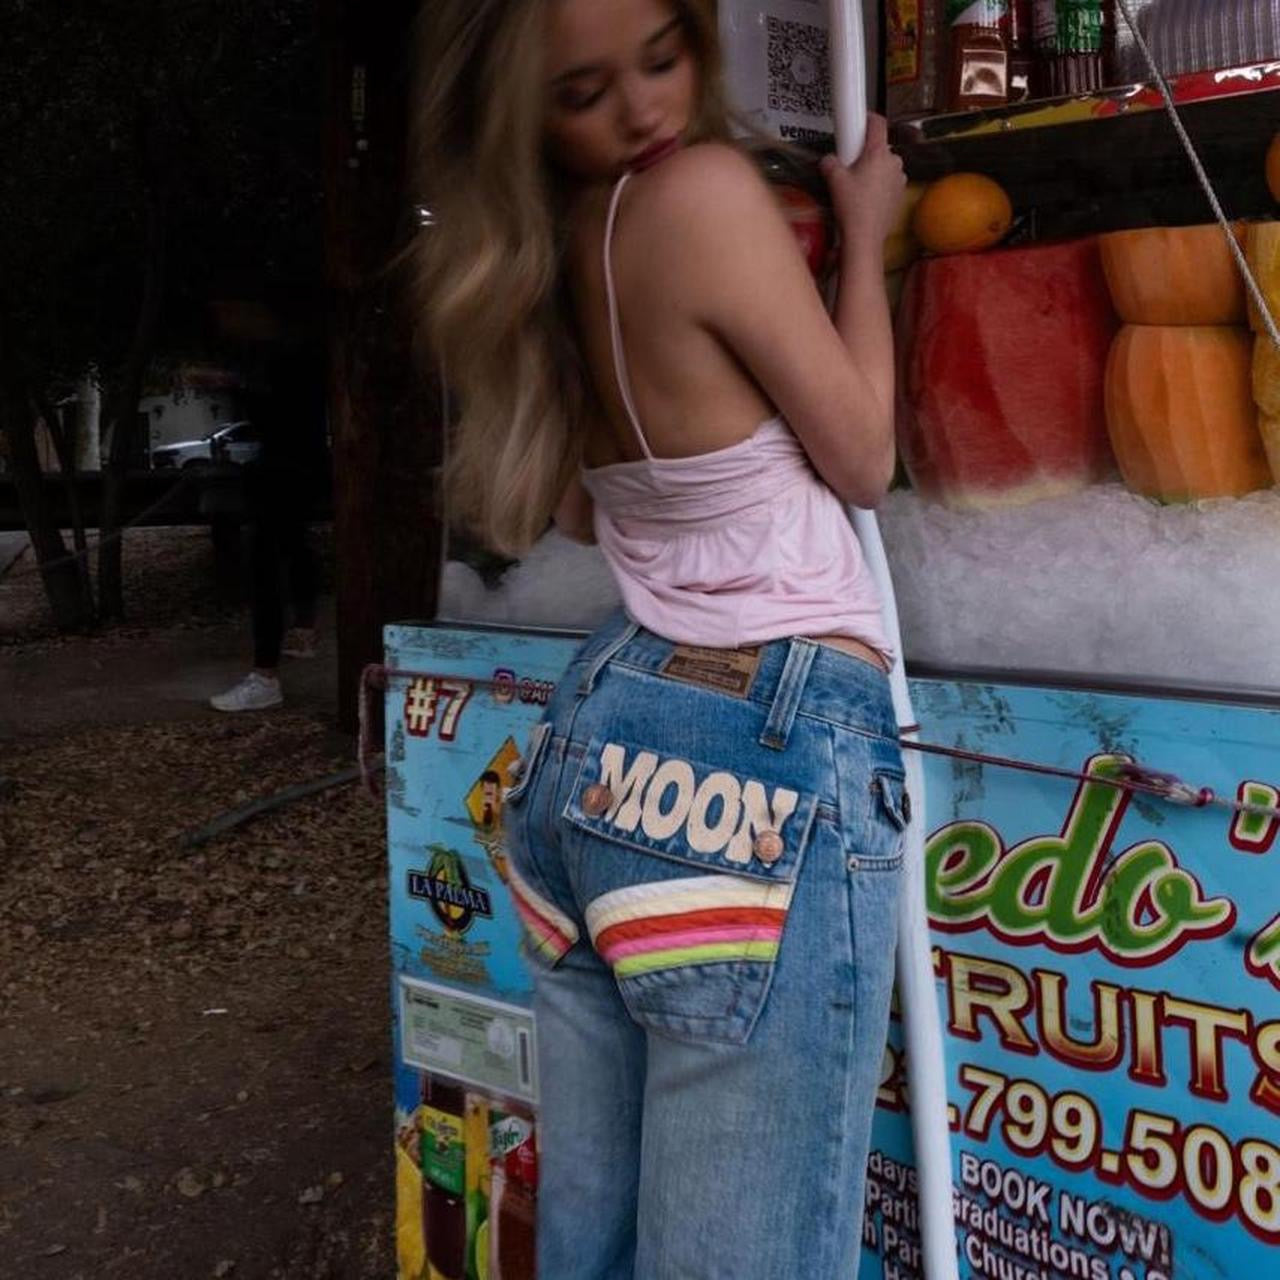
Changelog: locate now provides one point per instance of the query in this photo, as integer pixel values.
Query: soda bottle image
(1073, 42)
(513, 1196)
(443, 1156)
(517, 1216)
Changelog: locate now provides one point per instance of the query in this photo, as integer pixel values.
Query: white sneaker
(255, 692)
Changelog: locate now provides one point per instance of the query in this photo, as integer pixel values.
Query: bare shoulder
(706, 168)
(701, 188)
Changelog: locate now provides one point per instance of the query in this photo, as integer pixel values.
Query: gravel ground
(168, 584)
(194, 1041)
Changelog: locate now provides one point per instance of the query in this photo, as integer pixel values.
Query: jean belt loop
(624, 637)
(786, 698)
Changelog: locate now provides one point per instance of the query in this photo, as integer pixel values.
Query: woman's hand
(867, 195)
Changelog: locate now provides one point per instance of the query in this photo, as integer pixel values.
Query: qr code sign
(798, 78)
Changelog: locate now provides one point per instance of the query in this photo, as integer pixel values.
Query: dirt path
(194, 1044)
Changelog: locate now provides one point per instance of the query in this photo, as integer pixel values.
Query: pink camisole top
(734, 547)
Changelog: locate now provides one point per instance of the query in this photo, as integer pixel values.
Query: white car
(233, 443)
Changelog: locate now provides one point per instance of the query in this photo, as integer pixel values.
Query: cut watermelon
(1001, 361)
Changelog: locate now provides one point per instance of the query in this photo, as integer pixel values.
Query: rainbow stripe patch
(696, 920)
(548, 928)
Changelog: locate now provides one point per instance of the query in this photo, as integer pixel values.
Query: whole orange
(962, 212)
(1273, 167)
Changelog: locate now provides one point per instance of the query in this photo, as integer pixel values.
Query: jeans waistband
(795, 676)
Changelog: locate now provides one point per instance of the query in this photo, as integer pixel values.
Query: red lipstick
(652, 154)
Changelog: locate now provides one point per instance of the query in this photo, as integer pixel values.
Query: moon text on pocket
(717, 813)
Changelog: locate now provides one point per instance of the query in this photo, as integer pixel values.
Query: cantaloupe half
(1269, 429)
(1180, 412)
(1266, 376)
(1266, 393)
(1262, 248)
(1173, 276)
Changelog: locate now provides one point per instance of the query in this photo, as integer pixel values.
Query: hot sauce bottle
(978, 67)
(443, 1155)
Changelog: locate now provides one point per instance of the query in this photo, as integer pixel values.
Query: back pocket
(687, 871)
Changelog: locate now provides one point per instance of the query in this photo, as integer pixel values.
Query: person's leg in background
(260, 689)
(266, 585)
(300, 568)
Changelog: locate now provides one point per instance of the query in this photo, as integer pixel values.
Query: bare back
(722, 327)
(691, 394)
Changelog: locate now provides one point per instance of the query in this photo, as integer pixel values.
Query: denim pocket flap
(698, 814)
(891, 788)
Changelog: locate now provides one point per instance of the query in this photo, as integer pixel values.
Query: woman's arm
(866, 198)
(575, 512)
(733, 263)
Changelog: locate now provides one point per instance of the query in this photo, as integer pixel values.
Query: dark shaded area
(220, 181)
(195, 1043)
(386, 417)
(1111, 174)
(158, 157)
(195, 1076)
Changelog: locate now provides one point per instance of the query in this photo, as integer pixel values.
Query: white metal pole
(917, 993)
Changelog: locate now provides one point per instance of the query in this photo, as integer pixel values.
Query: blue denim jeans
(706, 850)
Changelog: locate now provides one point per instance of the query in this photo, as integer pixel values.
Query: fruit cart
(1086, 548)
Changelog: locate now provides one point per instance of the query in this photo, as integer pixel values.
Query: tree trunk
(386, 431)
(64, 443)
(72, 609)
(121, 414)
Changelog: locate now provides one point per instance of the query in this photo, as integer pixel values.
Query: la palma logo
(447, 889)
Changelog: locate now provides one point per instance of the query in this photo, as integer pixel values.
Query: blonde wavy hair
(487, 273)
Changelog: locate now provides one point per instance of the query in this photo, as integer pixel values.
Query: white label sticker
(476, 1040)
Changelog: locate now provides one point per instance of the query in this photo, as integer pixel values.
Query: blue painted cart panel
(1108, 966)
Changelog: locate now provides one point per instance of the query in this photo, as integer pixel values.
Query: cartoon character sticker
(484, 803)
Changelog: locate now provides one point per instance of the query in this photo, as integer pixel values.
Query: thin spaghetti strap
(615, 326)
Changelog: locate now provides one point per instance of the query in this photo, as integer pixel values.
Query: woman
(706, 837)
